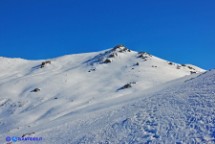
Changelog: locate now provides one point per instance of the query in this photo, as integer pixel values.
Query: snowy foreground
(116, 96)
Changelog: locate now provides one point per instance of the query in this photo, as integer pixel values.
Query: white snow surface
(84, 98)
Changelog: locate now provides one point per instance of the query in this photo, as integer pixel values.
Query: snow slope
(181, 113)
(112, 96)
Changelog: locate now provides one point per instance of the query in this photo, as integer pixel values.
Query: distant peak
(108, 55)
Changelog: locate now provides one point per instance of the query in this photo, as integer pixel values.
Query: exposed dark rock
(190, 67)
(112, 55)
(35, 90)
(93, 69)
(107, 56)
(27, 134)
(45, 63)
(121, 48)
(144, 55)
(137, 64)
(128, 85)
(107, 61)
(193, 72)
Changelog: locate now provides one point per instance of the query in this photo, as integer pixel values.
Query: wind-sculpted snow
(182, 114)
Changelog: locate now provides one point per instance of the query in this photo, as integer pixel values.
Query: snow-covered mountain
(113, 96)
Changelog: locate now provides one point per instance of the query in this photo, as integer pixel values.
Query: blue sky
(178, 30)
